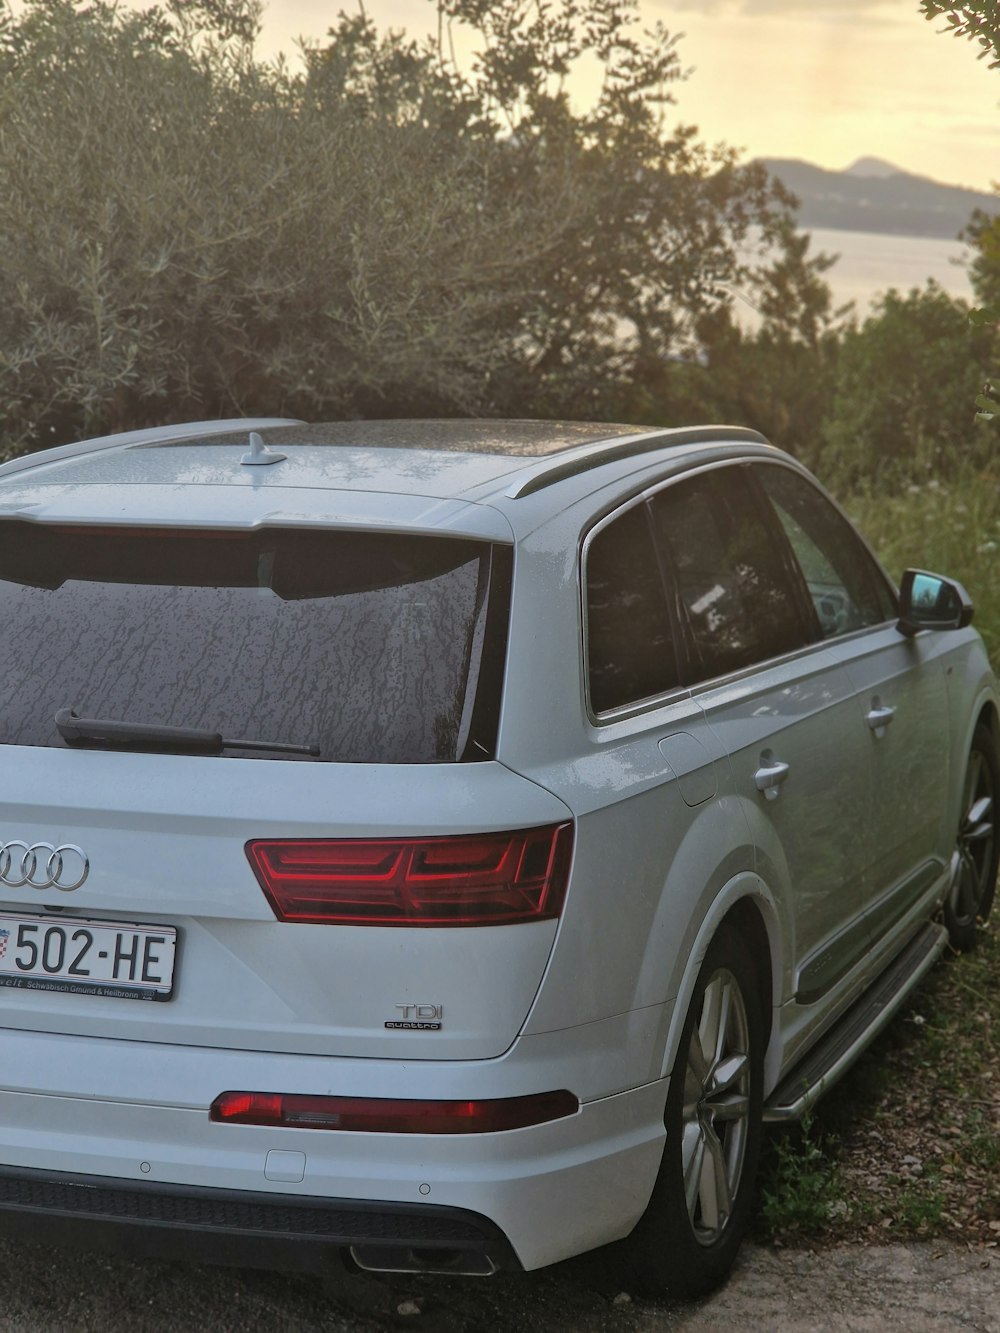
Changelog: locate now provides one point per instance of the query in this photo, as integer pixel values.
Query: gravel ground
(914, 1287)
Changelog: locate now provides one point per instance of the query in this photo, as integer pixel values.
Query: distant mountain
(873, 195)
(872, 166)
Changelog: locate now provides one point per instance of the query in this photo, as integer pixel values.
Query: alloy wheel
(716, 1107)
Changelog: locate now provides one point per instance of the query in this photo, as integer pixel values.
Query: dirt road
(916, 1287)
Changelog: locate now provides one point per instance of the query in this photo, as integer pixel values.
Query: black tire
(974, 864)
(687, 1240)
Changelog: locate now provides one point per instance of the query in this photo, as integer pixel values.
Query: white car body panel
(672, 839)
(244, 980)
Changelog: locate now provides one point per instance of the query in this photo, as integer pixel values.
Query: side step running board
(862, 1023)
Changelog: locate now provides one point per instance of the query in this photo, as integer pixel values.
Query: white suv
(447, 841)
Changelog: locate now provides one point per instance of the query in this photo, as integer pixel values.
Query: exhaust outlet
(404, 1259)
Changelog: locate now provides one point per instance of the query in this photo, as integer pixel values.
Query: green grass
(909, 1143)
(918, 1207)
(951, 528)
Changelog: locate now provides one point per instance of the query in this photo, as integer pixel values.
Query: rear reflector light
(478, 879)
(383, 1115)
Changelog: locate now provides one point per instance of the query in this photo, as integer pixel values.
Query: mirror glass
(930, 597)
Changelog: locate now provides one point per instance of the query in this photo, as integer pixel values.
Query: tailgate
(164, 836)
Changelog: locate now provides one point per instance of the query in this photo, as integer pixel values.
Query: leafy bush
(189, 233)
(903, 403)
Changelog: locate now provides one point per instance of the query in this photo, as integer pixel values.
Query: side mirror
(928, 601)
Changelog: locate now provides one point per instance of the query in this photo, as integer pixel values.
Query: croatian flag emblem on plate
(4, 937)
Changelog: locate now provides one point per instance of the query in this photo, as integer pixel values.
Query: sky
(827, 81)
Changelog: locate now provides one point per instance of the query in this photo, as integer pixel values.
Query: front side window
(630, 649)
(847, 589)
(375, 647)
(731, 580)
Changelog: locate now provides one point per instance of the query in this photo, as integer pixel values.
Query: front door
(901, 696)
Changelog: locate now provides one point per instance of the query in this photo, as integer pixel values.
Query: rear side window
(630, 648)
(378, 648)
(846, 587)
(734, 587)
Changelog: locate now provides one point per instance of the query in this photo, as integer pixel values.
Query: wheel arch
(745, 906)
(984, 712)
(989, 717)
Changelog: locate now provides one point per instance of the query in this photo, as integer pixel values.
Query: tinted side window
(629, 644)
(731, 579)
(845, 586)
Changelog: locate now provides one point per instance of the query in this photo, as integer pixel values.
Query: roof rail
(572, 462)
(148, 436)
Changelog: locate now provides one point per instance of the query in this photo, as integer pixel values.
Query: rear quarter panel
(649, 869)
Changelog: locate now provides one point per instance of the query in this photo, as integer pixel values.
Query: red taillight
(383, 1115)
(478, 879)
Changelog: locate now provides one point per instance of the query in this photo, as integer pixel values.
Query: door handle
(879, 718)
(769, 778)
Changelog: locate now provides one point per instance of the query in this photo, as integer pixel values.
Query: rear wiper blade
(76, 730)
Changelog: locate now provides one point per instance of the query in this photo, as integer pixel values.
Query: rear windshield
(375, 647)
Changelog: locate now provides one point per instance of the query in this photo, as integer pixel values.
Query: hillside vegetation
(380, 229)
(372, 230)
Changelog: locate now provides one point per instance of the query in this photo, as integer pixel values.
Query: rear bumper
(241, 1228)
(79, 1116)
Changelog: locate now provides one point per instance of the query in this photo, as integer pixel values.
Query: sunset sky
(824, 80)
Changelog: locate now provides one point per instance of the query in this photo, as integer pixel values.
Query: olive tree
(978, 20)
(189, 231)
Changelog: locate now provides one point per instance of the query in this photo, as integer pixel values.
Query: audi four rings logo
(42, 866)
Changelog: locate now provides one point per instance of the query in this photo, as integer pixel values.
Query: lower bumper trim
(235, 1227)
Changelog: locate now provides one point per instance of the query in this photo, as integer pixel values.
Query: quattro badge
(418, 1018)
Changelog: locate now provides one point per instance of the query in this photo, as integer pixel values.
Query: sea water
(870, 263)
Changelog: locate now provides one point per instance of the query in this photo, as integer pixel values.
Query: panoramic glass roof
(521, 439)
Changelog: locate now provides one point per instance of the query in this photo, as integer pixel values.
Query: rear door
(785, 713)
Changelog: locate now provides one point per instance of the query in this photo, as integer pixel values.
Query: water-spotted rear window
(375, 647)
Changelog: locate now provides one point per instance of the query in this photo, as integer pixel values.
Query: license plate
(112, 958)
